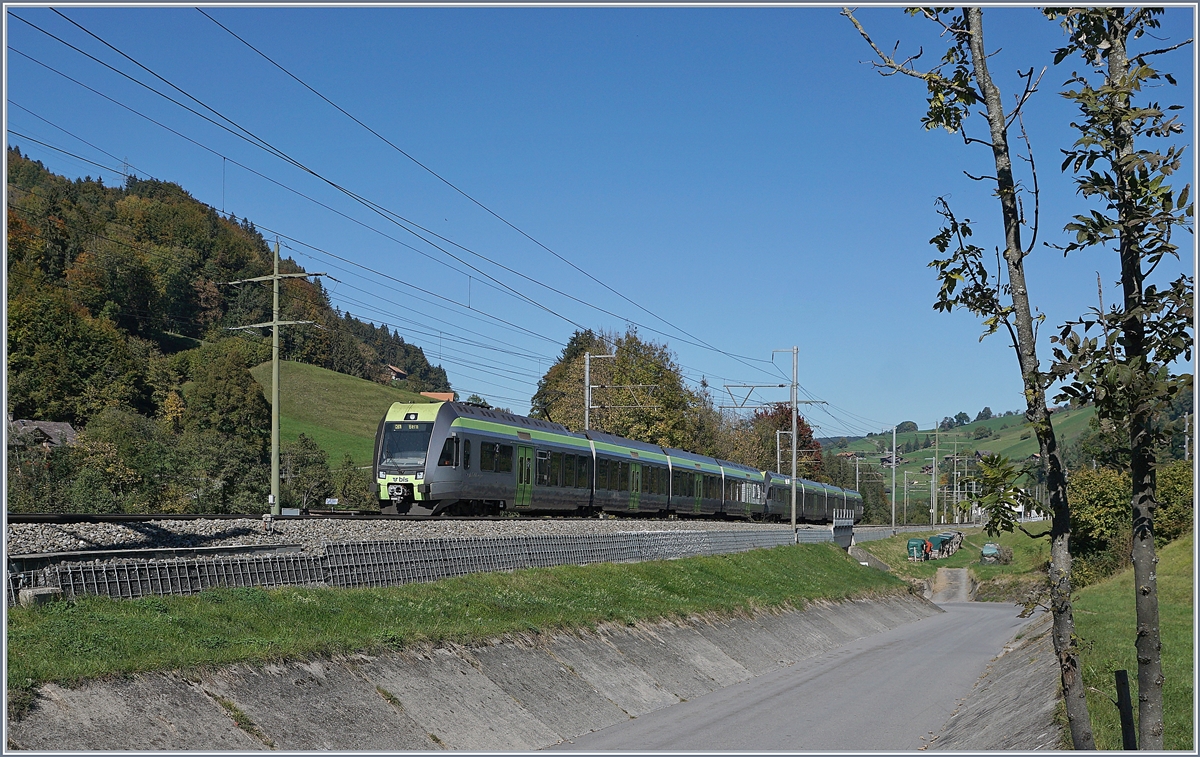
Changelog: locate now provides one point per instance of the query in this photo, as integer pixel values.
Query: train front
(403, 448)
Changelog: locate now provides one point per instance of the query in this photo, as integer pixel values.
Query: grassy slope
(1105, 621)
(1006, 441)
(95, 637)
(339, 412)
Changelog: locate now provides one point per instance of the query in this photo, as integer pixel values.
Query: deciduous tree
(963, 80)
(1126, 371)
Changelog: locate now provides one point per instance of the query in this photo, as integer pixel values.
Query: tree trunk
(1148, 643)
(1036, 413)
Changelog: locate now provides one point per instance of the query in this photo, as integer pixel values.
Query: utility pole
(895, 462)
(794, 401)
(274, 323)
(933, 490)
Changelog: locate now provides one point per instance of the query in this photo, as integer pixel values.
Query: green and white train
(454, 458)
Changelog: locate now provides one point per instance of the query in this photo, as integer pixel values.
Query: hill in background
(340, 413)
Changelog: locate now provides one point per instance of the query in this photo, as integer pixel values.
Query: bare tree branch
(1037, 195)
(1160, 51)
(1030, 87)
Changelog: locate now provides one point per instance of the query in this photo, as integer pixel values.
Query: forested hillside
(119, 320)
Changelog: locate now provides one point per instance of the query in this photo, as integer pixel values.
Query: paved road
(885, 692)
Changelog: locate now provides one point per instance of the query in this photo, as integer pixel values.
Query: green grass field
(1006, 439)
(1105, 622)
(339, 412)
(93, 637)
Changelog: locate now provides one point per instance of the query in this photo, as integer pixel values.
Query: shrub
(1176, 507)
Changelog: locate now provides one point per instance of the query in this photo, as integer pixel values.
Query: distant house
(927, 469)
(439, 396)
(398, 374)
(847, 454)
(22, 433)
(982, 453)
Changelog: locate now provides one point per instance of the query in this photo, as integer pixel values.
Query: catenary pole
(795, 403)
(275, 323)
(894, 463)
(275, 504)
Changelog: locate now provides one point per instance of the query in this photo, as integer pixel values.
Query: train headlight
(420, 475)
(379, 474)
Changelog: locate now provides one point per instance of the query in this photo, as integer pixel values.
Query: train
(458, 458)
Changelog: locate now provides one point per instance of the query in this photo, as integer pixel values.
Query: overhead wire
(248, 136)
(378, 273)
(300, 194)
(515, 326)
(496, 366)
(387, 213)
(253, 139)
(465, 194)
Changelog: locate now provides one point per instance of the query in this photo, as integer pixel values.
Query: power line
(389, 215)
(251, 170)
(472, 199)
(257, 141)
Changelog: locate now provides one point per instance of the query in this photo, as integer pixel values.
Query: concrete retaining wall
(1014, 701)
(516, 693)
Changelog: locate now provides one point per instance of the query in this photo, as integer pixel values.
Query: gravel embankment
(40, 538)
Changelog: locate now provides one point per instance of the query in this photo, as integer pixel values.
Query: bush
(1101, 531)
(1176, 506)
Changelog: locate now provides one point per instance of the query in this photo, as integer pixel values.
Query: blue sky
(740, 173)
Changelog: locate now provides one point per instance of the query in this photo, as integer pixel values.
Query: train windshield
(405, 443)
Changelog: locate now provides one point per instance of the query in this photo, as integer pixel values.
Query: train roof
(620, 441)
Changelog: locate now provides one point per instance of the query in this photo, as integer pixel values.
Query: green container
(916, 548)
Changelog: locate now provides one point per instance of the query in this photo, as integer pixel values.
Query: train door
(698, 480)
(635, 485)
(524, 476)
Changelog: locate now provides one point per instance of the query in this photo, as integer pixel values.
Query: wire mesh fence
(393, 562)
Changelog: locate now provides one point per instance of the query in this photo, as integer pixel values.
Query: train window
(487, 456)
(569, 468)
(405, 444)
(543, 468)
(583, 472)
(601, 474)
(446, 459)
(503, 458)
(556, 468)
(623, 478)
(680, 484)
